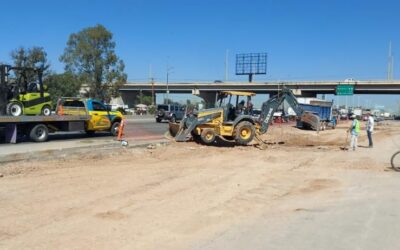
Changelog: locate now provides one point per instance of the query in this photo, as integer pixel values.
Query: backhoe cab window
(98, 107)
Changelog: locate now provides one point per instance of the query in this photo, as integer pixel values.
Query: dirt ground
(177, 197)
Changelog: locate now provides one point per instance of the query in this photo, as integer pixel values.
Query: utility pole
(226, 65)
(153, 103)
(168, 72)
(390, 63)
(151, 79)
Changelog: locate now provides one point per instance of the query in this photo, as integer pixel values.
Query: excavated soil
(175, 196)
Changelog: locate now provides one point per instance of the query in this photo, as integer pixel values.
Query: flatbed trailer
(37, 128)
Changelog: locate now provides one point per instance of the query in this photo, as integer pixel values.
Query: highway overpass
(207, 90)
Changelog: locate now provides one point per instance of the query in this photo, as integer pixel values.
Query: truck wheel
(207, 136)
(39, 133)
(46, 110)
(115, 128)
(158, 120)
(245, 133)
(14, 109)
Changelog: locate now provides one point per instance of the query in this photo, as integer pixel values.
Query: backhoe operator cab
(235, 103)
(18, 96)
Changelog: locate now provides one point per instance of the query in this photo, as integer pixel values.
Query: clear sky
(305, 40)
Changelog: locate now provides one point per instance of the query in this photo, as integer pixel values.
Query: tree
(147, 100)
(35, 57)
(90, 54)
(60, 85)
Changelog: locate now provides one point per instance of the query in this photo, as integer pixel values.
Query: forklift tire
(115, 128)
(46, 110)
(207, 136)
(244, 133)
(14, 109)
(39, 133)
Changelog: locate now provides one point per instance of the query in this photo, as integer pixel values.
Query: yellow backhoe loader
(233, 122)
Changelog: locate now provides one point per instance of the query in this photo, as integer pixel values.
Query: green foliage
(34, 57)
(151, 110)
(62, 85)
(146, 100)
(90, 53)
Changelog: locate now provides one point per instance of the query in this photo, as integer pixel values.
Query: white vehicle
(348, 80)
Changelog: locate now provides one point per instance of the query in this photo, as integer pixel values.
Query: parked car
(378, 118)
(170, 112)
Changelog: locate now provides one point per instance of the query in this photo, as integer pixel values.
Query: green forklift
(19, 97)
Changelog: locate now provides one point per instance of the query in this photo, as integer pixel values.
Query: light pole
(168, 72)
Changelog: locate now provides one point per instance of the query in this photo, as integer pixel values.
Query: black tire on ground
(46, 110)
(207, 136)
(115, 128)
(161, 112)
(14, 109)
(39, 133)
(158, 120)
(244, 133)
(395, 161)
(196, 137)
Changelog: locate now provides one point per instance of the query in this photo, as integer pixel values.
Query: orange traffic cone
(60, 110)
(120, 130)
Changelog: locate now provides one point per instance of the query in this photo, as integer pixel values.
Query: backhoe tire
(39, 133)
(46, 110)
(244, 133)
(14, 109)
(207, 136)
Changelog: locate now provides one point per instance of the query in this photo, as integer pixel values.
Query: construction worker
(370, 129)
(355, 131)
(240, 107)
(249, 106)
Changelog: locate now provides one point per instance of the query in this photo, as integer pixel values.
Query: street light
(168, 72)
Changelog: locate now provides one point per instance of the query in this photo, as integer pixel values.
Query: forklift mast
(4, 89)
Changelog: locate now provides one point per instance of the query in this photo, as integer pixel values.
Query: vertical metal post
(226, 65)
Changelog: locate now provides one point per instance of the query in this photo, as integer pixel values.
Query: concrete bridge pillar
(130, 98)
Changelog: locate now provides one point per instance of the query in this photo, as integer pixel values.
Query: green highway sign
(345, 89)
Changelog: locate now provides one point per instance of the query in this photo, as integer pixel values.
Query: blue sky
(305, 40)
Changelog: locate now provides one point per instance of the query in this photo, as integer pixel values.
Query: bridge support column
(130, 98)
(210, 98)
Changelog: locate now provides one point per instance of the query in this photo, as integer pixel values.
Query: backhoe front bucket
(173, 128)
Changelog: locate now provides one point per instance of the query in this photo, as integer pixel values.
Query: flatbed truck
(72, 114)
